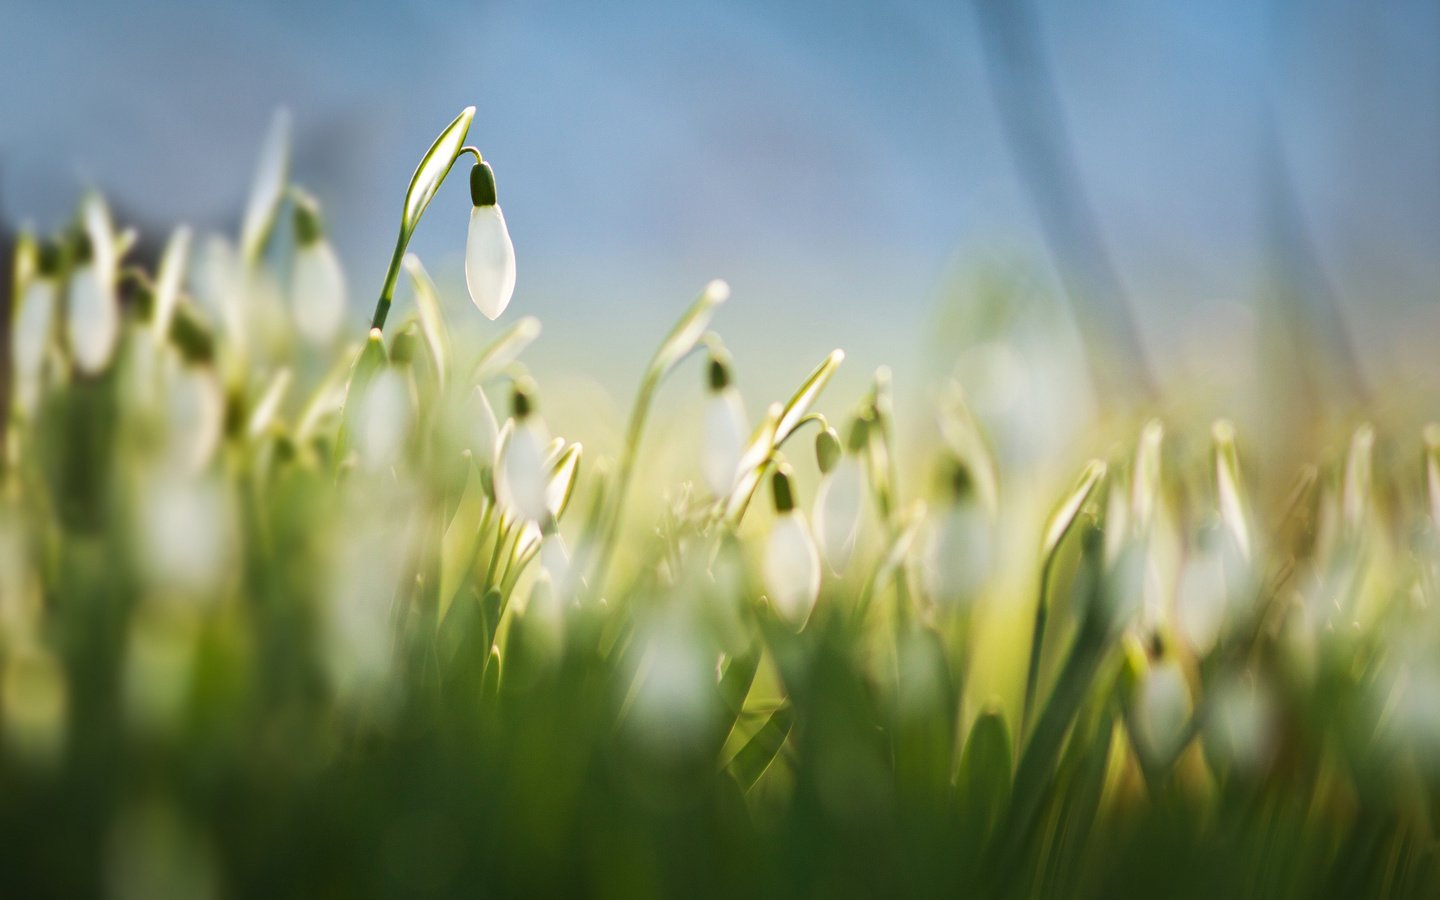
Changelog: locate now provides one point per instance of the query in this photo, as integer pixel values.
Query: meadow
(288, 610)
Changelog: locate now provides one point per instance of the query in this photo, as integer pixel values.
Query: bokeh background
(843, 164)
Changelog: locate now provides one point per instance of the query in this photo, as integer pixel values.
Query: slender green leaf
(432, 323)
(760, 751)
(266, 191)
(432, 169)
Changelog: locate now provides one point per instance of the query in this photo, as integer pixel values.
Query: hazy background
(838, 162)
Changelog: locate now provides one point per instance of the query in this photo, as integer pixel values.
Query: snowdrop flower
(841, 495)
(1162, 709)
(34, 325)
(958, 556)
(317, 285)
(383, 420)
(792, 564)
(724, 429)
(489, 255)
(1200, 596)
(521, 467)
(94, 312)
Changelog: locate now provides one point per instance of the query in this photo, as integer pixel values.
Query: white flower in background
(1200, 598)
(93, 318)
(383, 420)
(489, 255)
(317, 285)
(521, 469)
(1162, 711)
(841, 496)
(792, 564)
(34, 324)
(186, 534)
(958, 556)
(724, 429)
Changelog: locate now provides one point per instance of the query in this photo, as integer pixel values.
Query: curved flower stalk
(724, 428)
(489, 254)
(317, 284)
(958, 556)
(792, 564)
(93, 316)
(521, 472)
(840, 498)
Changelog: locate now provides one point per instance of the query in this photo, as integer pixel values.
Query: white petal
(489, 261)
(383, 421)
(94, 319)
(32, 336)
(838, 503)
(522, 481)
(959, 556)
(1200, 600)
(318, 292)
(724, 437)
(1162, 711)
(792, 569)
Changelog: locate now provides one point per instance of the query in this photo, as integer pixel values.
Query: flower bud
(724, 430)
(792, 564)
(1161, 711)
(521, 467)
(317, 284)
(838, 504)
(489, 254)
(94, 311)
(32, 335)
(958, 557)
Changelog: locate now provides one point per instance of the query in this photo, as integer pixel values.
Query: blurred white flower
(1162, 711)
(32, 336)
(186, 533)
(317, 289)
(1200, 598)
(792, 563)
(724, 430)
(838, 503)
(522, 473)
(93, 319)
(958, 555)
(489, 255)
(383, 420)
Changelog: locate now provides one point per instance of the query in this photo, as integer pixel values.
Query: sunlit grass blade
(1230, 487)
(505, 349)
(432, 322)
(685, 336)
(266, 191)
(760, 751)
(168, 280)
(1056, 528)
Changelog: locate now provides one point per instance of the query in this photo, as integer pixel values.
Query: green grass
(270, 625)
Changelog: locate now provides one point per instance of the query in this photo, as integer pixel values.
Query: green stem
(1037, 641)
(392, 275)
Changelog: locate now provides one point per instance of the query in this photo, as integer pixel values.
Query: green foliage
(315, 628)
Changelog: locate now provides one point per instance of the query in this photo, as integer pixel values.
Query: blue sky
(834, 160)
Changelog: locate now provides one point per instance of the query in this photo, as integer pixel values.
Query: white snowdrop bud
(383, 420)
(1200, 595)
(94, 312)
(792, 564)
(32, 335)
(1162, 710)
(838, 503)
(317, 284)
(489, 255)
(958, 556)
(521, 468)
(724, 430)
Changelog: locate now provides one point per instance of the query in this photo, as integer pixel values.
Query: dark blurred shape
(1031, 113)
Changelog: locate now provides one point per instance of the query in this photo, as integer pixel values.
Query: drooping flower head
(317, 286)
(792, 564)
(724, 427)
(489, 255)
